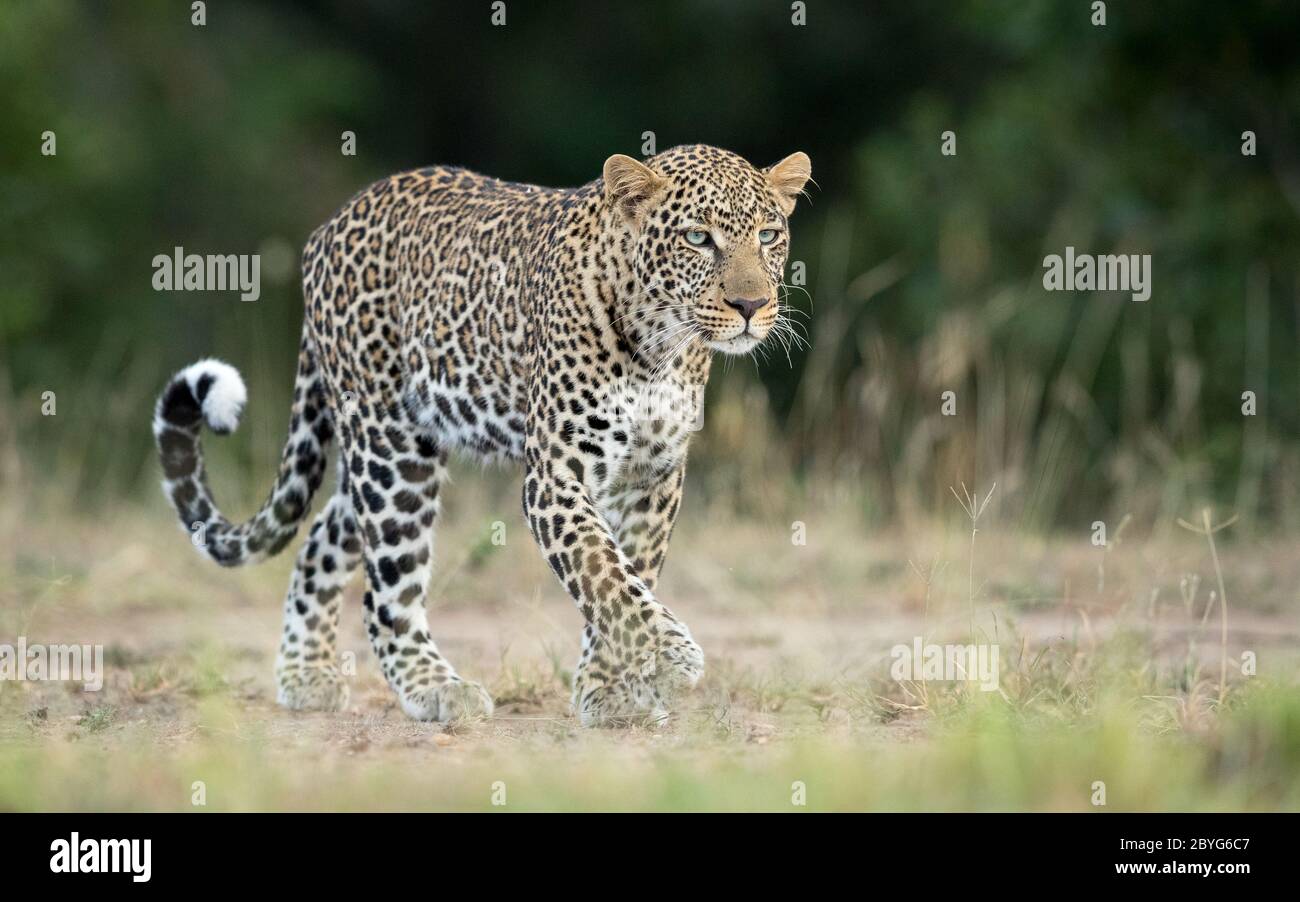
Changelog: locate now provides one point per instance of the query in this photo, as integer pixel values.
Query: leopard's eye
(697, 237)
(766, 236)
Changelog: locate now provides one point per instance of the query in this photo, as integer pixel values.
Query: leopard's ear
(629, 184)
(788, 177)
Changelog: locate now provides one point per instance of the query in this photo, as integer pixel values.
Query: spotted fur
(570, 330)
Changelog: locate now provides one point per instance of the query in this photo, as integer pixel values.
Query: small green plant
(97, 718)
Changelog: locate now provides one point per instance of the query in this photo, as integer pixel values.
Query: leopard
(566, 331)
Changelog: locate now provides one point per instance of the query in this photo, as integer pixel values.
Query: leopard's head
(710, 236)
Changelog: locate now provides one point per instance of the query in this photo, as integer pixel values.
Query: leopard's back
(419, 292)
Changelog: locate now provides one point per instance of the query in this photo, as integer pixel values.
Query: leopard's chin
(738, 344)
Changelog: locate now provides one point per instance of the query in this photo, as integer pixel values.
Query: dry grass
(1108, 672)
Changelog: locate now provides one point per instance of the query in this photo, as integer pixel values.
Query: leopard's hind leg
(394, 480)
(306, 671)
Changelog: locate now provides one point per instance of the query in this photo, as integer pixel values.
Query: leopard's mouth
(730, 334)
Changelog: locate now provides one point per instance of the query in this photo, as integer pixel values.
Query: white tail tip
(220, 391)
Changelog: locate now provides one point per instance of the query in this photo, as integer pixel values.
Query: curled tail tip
(220, 390)
(210, 389)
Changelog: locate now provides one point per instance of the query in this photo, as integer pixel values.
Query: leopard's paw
(677, 664)
(643, 693)
(302, 687)
(454, 701)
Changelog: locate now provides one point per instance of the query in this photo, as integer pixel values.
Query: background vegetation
(1122, 662)
(924, 271)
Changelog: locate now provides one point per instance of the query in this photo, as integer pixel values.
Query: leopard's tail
(212, 392)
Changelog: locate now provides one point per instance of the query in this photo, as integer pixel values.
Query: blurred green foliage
(924, 270)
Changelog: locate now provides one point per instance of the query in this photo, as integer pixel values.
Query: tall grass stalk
(974, 509)
(1208, 529)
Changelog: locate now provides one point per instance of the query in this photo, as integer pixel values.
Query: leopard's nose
(747, 307)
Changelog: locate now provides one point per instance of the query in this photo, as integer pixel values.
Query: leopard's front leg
(637, 657)
(641, 515)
